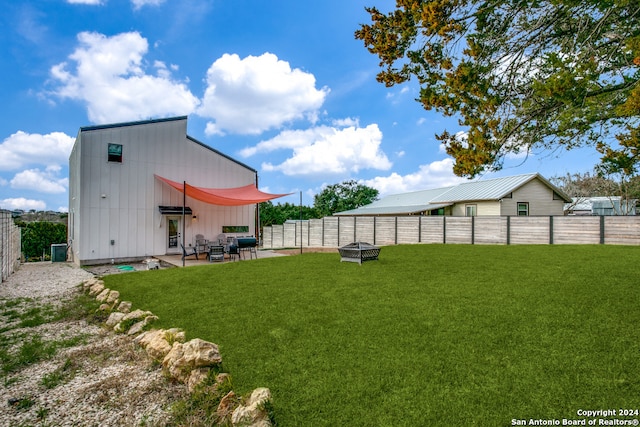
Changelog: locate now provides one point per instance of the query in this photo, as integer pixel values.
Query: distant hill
(33, 216)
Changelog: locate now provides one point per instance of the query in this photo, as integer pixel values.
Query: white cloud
(22, 203)
(257, 93)
(47, 181)
(137, 4)
(346, 122)
(22, 149)
(325, 151)
(109, 77)
(90, 2)
(433, 175)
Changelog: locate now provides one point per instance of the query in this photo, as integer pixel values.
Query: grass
(427, 335)
(29, 348)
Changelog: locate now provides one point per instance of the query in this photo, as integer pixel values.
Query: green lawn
(428, 335)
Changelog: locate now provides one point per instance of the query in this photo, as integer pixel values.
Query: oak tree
(343, 197)
(519, 75)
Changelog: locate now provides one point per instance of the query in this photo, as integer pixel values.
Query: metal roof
(418, 201)
(491, 189)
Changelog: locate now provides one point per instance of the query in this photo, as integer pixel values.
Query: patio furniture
(192, 251)
(216, 253)
(201, 243)
(359, 252)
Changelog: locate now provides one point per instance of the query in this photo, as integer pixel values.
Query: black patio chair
(193, 251)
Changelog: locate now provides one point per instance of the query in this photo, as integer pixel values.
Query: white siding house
(519, 195)
(115, 198)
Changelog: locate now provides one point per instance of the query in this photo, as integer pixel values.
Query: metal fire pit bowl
(359, 252)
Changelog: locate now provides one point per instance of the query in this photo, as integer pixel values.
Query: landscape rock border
(189, 363)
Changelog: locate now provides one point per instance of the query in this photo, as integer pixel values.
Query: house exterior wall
(114, 206)
(540, 199)
(490, 207)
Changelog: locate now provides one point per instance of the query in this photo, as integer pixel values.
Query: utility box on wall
(59, 252)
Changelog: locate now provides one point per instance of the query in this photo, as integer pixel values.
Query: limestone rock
(139, 326)
(196, 378)
(183, 358)
(114, 318)
(102, 296)
(253, 413)
(125, 307)
(112, 297)
(157, 343)
(104, 307)
(226, 407)
(136, 315)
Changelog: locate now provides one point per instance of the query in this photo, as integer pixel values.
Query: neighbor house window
(471, 210)
(523, 209)
(114, 152)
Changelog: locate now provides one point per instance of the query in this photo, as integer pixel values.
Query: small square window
(471, 210)
(115, 153)
(523, 209)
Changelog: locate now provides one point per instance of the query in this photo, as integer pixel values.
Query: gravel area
(102, 380)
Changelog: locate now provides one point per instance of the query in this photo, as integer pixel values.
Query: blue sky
(280, 85)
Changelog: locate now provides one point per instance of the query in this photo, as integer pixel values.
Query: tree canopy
(334, 198)
(519, 75)
(343, 197)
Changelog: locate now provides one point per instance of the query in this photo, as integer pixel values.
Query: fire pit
(359, 252)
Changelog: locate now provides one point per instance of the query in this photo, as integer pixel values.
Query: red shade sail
(247, 195)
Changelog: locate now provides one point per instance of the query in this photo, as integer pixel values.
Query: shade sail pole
(184, 203)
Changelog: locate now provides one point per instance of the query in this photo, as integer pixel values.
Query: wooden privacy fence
(506, 230)
(10, 244)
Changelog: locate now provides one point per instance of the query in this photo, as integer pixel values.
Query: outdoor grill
(247, 244)
(359, 252)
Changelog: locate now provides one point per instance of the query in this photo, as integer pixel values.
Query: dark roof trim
(174, 210)
(142, 122)
(221, 154)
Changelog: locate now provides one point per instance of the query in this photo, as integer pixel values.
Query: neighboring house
(524, 195)
(126, 184)
(603, 206)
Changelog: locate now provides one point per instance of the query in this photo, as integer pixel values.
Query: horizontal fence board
(431, 229)
(365, 229)
(339, 231)
(458, 229)
(490, 230)
(331, 232)
(315, 233)
(620, 230)
(347, 231)
(529, 230)
(408, 229)
(576, 230)
(385, 231)
(290, 235)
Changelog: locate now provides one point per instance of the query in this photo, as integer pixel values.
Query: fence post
(602, 229)
(396, 232)
(508, 230)
(551, 229)
(473, 230)
(444, 229)
(420, 229)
